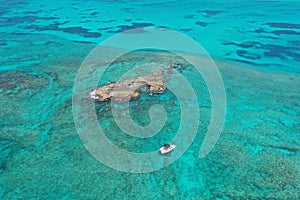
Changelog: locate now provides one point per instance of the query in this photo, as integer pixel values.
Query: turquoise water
(255, 45)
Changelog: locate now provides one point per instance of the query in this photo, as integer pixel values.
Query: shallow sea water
(255, 45)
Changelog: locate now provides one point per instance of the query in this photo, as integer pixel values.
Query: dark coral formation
(283, 25)
(270, 50)
(7, 149)
(204, 24)
(210, 12)
(134, 25)
(84, 32)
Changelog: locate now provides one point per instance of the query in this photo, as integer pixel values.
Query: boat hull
(163, 151)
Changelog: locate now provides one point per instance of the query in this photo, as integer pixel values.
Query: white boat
(167, 148)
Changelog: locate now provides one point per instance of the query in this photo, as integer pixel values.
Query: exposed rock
(129, 89)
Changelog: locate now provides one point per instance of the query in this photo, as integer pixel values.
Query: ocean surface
(256, 47)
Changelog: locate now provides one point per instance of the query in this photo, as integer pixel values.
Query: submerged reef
(129, 89)
(7, 149)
